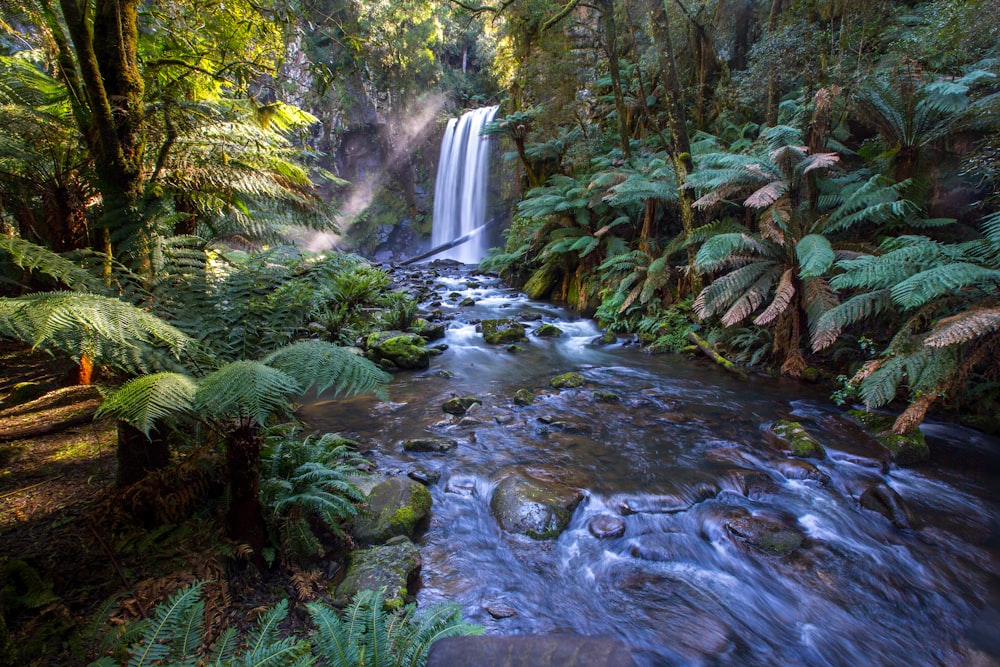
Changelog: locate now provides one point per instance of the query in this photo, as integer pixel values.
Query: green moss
(542, 282)
(905, 449)
(607, 397)
(794, 437)
(459, 405)
(523, 397)
(502, 331)
(548, 331)
(567, 381)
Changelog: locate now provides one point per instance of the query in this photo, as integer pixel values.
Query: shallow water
(677, 586)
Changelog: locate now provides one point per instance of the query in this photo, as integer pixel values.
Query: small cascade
(461, 188)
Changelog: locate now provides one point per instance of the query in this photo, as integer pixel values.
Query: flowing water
(677, 586)
(461, 187)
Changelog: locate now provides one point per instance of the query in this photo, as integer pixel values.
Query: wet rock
(795, 469)
(607, 397)
(606, 338)
(881, 498)
(606, 526)
(467, 302)
(752, 483)
(398, 350)
(674, 417)
(461, 486)
(567, 381)
(429, 444)
(454, 296)
(459, 405)
(548, 331)
(388, 566)
(523, 397)
(542, 282)
(794, 439)
(538, 508)
(427, 330)
(659, 504)
(22, 392)
(425, 476)
(498, 610)
(394, 507)
(514, 348)
(904, 449)
(502, 331)
(765, 535)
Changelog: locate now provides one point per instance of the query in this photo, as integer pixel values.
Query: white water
(461, 187)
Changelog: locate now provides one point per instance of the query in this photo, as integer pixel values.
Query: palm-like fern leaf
(964, 327)
(333, 638)
(934, 282)
(145, 400)
(171, 621)
(267, 649)
(326, 365)
(32, 257)
(245, 389)
(815, 255)
(828, 326)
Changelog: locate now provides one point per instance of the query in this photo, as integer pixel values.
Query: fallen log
(710, 352)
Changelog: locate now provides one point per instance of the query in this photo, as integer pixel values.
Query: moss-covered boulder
(881, 498)
(765, 535)
(389, 566)
(794, 439)
(548, 331)
(459, 405)
(430, 444)
(904, 449)
(542, 282)
(503, 331)
(429, 331)
(539, 508)
(606, 338)
(607, 397)
(567, 381)
(399, 350)
(523, 397)
(394, 507)
(467, 302)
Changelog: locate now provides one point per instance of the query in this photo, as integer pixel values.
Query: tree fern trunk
(138, 455)
(85, 370)
(246, 517)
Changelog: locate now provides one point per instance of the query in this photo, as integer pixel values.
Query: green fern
(32, 257)
(325, 366)
(144, 401)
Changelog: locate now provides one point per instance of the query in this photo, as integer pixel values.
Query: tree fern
(325, 365)
(965, 327)
(245, 390)
(144, 401)
(32, 257)
(815, 255)
(937, 281)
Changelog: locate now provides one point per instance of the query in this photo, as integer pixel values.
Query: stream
(677, 586)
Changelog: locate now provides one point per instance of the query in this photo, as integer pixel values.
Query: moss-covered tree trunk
(245, 522)
(611, 44)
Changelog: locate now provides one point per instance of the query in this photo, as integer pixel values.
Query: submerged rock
(882, 498)
(606, 338)
(905, 449)
(425, 476)
(766, 535)
(751, 483)
(429, 444)
(606, 526)
(567, 381)
(795, 439)
(459, 405)
(393, 349)
(390, 567)
(540, 509)
(795, 469)
(502, 331)
(523, 397)
(607, 397)
(498, 610)
(394, 507)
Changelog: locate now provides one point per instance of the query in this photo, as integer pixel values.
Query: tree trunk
(245, 522)
(680, 152)
(771, 114)
(138, 455)
(611, 37)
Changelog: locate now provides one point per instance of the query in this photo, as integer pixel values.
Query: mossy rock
(539, 509)
(460, 404)
(765, 535)
(795, 439)
(811, 375)
(394, 507)
(570, 380)
(22, 392)
(523, 397)
(437, 445)
(905, 449)
(607, 397)
(503, 331)
(542, 282)
(606, 338)
(389, 566)
(401, 350)
(429, 331)
(548, 331)
(467, 302)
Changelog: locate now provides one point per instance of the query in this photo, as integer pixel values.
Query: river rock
(393, 349)
(607, 397)
(503, 331)
(548, 331)
(389, 566)
(467, 302)
(606, 338)
(796, 469)
(540, 509)
(752, 483)
(430, 444)
(498, 610)
(765, 535)
(459, 405)
(904, 449)
(542, 281)
(425, 476)
(427, 330)
(523, 397)
(882, 498)
(794, 439)
(567, 381)
(394, 507)
(605, 526)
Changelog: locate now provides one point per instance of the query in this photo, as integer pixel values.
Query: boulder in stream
(567, 381)
(394, 507)
(541, 509)
(904, 449)
(542, 281)
(794, 439)
(389, 566)
(392, 349)
(765, 535)
(502, 331)
(459, 405)
(429, 444)
(882, 498)
(523, 397)
(606, 526)
(548, 331)
(429, 331)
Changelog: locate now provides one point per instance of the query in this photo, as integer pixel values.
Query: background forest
(808, 185)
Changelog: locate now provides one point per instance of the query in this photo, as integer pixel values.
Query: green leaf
(815, 255)
(145, 400)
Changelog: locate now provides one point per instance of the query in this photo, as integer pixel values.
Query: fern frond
(325, 365)
(721, 293)
(245, 389)
(783, 296)
(32, 257)
(145, 400)
(882, 384)
(267, 649)
(721, 245)
(750, 300)
(333, 639)
(828, 326)
(169, 623)
(932, 283)
(815, 255)
(964, 327)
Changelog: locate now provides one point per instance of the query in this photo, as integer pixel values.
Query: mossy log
(710, 352)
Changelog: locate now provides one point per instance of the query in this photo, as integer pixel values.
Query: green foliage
(400, 312)
(145, 400)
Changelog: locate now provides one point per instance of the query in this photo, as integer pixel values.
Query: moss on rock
(459, 405)
(904, 449)
(389, 566)
(395, 507)
(502, 331)
(570, 380)
(542, 282)
(406, 351)
(548, 331)
(523, 397)
(794, 438)
(529, 506)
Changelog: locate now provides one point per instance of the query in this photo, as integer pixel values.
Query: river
(678, 586)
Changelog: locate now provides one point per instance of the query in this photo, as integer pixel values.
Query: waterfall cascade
(461, 188)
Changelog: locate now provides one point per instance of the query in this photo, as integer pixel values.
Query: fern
(32, 257)
(145, 400)
(325, 365)
(170, 625)
(247, 390)
(964, 327)
(815, 255)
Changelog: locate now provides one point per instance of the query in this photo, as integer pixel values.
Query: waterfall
(461, 187)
